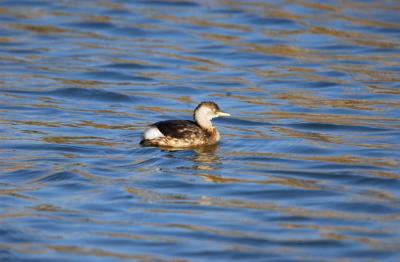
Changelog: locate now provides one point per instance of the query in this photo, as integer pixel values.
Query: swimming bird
(186, 133)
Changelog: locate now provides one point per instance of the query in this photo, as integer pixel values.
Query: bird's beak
(223, 114)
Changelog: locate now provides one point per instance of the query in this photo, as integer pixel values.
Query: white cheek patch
(152, 133)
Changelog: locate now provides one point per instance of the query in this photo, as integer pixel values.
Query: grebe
(186, 133)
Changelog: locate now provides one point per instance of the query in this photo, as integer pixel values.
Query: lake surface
(308, 168)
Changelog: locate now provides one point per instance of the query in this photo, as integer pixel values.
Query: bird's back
(179, 128)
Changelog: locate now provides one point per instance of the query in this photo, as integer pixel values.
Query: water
(308, 165)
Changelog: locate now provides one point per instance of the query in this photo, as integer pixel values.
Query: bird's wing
(177, 128)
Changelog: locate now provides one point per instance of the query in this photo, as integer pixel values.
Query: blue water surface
(308, 165)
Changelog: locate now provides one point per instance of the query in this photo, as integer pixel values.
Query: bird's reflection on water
(205, 154)
(203, 159)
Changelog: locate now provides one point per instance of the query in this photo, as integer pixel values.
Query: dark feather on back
(179, 128)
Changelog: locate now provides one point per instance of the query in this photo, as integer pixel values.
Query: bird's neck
(206, 125)
(203, 122)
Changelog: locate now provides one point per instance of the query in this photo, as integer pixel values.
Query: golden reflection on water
(293, 183)
(84, 140)
(295, 211)
(354, 37)
(313, 101)
(39, 29)
(341, 233)
(336, 119)
(97, 252)
(311, 136)
(15, 193)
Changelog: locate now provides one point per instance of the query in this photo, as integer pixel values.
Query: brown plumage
(186, 133)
